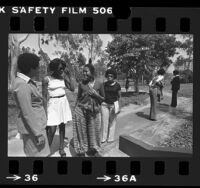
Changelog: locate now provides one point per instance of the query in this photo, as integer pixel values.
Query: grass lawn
(133, 98)
(186, 90)
(181, 138)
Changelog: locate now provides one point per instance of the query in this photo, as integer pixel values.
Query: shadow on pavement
(56, 143)
(179, 113)
(132, 93)
(163, 107)
(143, 115)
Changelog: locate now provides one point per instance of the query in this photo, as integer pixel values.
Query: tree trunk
(14, 52)
(91, 46)
(189, 62)
(142, 79)
(39, 41)
(13, 69)
(136, 85)
(185, 66)
(136, 80)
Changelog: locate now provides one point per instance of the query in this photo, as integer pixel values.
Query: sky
(32, 42)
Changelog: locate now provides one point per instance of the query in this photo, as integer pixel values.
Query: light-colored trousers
(108, 120)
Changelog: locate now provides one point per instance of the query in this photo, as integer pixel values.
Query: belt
(58, 96)
(105, 103)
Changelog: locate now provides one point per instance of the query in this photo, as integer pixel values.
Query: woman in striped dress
(86, 119)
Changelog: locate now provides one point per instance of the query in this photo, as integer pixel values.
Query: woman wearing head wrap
(86, 119)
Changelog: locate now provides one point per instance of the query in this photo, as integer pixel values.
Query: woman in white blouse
(55, 101)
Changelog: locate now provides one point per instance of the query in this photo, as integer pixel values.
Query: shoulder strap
(113, 83)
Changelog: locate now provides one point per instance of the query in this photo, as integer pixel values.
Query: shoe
(97, 154)
(62, 153)
(103, 143)
(81, 155)
(110, 142)
(173, 106)
(91, 152)
(153, 119)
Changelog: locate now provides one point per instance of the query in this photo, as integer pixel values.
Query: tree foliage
(13, 53)
(136, 55)
(187, 46)
(93, 43)
(70, 48)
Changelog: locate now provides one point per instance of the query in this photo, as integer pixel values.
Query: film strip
(139, 163)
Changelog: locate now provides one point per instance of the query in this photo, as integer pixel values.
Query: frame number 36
(29, 177)
(125, 178)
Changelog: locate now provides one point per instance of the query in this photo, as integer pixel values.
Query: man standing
(32, 114)
(175, 87)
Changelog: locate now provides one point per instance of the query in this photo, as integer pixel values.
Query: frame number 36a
(29, 177)
(125, 178)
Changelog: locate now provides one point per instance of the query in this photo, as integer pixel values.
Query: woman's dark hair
(161, 72)
(54, 64)
(91, 68)
(111, 71)
(27, 61)
(175, 72)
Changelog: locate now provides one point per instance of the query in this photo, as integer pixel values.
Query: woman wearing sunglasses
(55, 100)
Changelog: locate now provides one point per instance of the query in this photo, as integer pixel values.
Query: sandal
(91, 152)
(81, 155)
(62, 153)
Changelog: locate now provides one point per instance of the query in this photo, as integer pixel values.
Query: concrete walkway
(138, 125)
(132, 120)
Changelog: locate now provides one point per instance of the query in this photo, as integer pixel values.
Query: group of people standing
(94, 115)
(156, 91)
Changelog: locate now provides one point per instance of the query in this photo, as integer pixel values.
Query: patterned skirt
(86, 131)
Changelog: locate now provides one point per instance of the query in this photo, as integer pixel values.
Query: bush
(186, 76)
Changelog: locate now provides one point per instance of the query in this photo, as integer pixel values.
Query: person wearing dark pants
(127, 84)
(175, 87)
